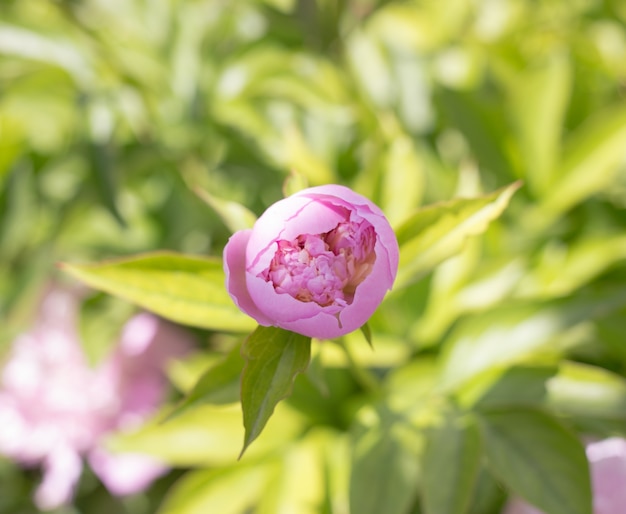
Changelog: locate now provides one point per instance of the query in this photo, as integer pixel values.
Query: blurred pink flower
(607, 462)
(318, 262)
(54, 408)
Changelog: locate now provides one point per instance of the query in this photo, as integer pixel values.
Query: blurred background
(114, 112)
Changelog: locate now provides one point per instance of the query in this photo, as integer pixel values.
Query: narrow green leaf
(188, 290)
(102, 167)
(451, 460)
(591, 158)
(585, 391)
(367, 333)
(273, 359)
(439, 231)
(538, 459)
(513, 334)
(538, 102)
(402, 179)
(219, 384)
(234, 215)
(385, 467)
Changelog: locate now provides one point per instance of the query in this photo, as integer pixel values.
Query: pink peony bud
(318, 262)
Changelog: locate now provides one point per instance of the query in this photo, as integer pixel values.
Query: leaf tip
(367, 332)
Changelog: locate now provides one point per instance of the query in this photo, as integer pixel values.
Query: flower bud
(317, 263)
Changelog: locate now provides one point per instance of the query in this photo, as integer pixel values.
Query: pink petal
(134, 373)
(287, 219)
(235, 269)
(321, 326)
(125, 473)
(342, 192)
(368, 294)
(278, 307)
(519, 507)
(607, 461)
(61, 471)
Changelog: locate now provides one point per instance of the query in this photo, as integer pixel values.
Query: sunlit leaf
(538, 459)
(207, 435)
(213, 490)
(437, 232)
(513, 334)
(301, 463)
(371, 67)
(273, 359)
(563, 269)
(29, 44)
(185, 289)
(591, 158)
(294, 182)
(590, 392)
(539, 99)
(403, 180)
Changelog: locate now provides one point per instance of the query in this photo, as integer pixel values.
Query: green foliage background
(131, 126)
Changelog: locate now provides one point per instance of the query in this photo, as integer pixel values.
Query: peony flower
(55, 409)
(318, 262)
(607, 464)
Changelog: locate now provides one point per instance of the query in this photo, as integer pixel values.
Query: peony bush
(395, 229)
(56, 410)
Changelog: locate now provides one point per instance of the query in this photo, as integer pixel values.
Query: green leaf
(207, 435)
(294, 182)
(439, 231)
(586, 391)
(498, 387)
(273, 359)
(517, 333)
(402, 179)
(538, 459)
(102, 166)
(591, 159)
(488, 496)
(480, 118)
(367, 333)
(219, 384)
(234, 215)
(451, 463)
(385, 467)
(539, 97)
(213, 490)
(561, 269)
(188, 290)
(301, 463)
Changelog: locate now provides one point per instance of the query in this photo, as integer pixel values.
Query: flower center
(324, 268)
